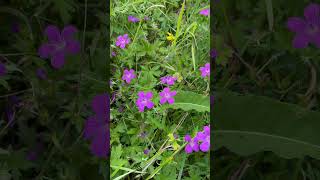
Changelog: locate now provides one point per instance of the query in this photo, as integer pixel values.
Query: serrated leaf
(187, 101)
(247, 124)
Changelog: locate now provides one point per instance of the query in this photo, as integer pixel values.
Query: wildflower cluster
(200, 142)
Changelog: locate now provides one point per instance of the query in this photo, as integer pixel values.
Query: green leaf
(246, 124)
(187, 101)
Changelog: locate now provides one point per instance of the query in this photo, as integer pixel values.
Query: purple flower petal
(163, 100)
(187, 138)
(148, 95)
(312, 14)
(188, 149)
(296, 24)
(91, 125)
(170, 100)
(141, 94)
(68, 32)
(73, 46)
(141, 108)
(53, 34)
(205, 146)
(150, 104)
(99, 145)
(46, 50)
(300, 41)
(173, 93)
(57, 60)
(100, 104)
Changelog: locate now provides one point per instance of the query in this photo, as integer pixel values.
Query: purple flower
(3, 69)
(59, 45)
(133, 19)
(307, 29)
(113, 54)
(192, 144)
(122, 41)
(167, 96)
(144, 100)
(204, 139)
(15, 28)
(10, 108)
(205, 70)
(169, 80)
(97, 126)
(205, 12)
(41, 73)
(128, 75)
(213, 53)
(146, 151)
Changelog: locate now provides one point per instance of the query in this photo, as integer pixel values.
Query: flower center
(61, 45)
(313, 29)
(144, 101)
(167, 95)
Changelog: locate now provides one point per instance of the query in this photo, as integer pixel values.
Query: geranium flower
(307, 29)
(97, 126)
(59, 45)
(144, 100)
(3, 69)
(205, 70)
(133, 19)
(169, 80)
(146, 151)
(192, 144)
(10, 108)
(122, 41)
(128, 75)
(167, 96)
(205, 12)
(204, 139)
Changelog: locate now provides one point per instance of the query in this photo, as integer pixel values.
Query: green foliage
(152, 56)
(191, 101)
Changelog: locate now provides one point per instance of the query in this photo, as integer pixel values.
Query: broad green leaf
(247, 124)
(187, 101)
